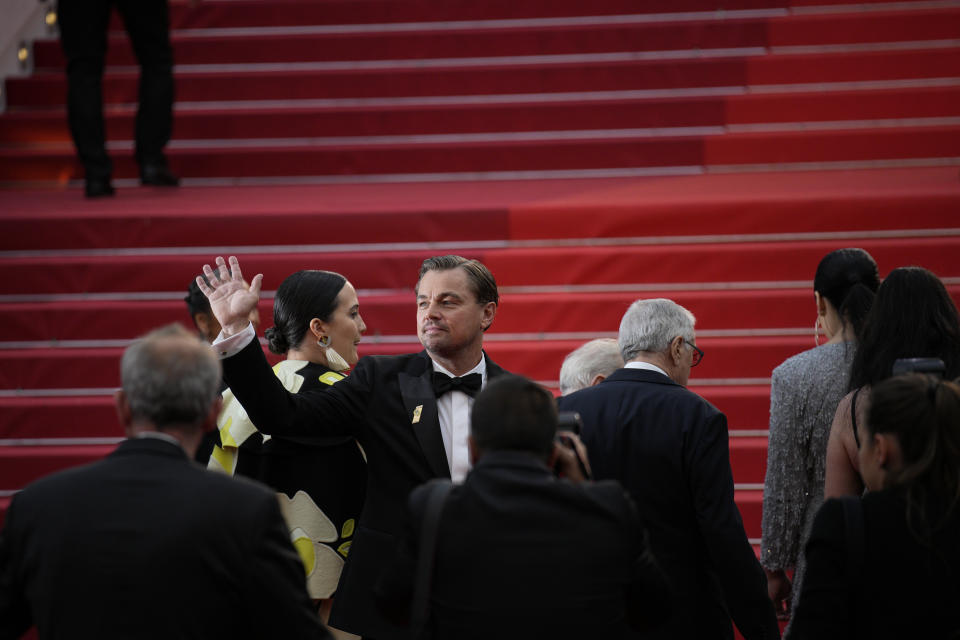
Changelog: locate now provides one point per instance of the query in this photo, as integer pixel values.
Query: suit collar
(421, 408)
(639, 375)
(154, 446)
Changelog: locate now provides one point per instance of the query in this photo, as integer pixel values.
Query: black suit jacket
(521, 554)
(388, 404)
(669, 448)
(146, 544)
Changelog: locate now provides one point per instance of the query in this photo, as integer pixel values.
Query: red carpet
(590, 155)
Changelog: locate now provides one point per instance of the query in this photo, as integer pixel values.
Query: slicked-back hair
(514, 414)
(482, 283)
(849, 279)
(301, 297)
(599, 357)
(170, 377)
(650, 325)
(196, 301)
(912, 316)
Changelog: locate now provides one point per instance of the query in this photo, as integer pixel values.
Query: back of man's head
(650, 325)
(514, 414)
(170, 378)
(584, 365)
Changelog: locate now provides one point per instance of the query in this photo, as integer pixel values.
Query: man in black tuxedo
(669, 448)
(411, 413)
(144, 543)
(520, 553)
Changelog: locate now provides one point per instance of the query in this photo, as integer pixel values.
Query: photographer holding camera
(517, 552)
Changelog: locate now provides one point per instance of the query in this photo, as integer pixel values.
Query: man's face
(449, 318)
(686, 361)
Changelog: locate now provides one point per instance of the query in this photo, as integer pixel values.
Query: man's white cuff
(226, 347)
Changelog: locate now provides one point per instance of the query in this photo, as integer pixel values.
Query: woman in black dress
(320, 482)
(888, 565)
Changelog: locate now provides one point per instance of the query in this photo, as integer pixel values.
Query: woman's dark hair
(848, 278)
(923, 413)
(912, 316)
(303, 296)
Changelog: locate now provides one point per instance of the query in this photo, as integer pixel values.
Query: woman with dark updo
(804, 393)
(321, 481)
(888, 565)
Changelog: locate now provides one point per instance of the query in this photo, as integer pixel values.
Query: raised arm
(843, 473)
(231, 299)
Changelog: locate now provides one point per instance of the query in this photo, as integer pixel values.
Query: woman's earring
(334, 360)
(816, 332)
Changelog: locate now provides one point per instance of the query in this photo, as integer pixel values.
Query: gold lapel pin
(416, 414)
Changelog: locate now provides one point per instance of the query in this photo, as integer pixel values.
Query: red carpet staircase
(711, 154)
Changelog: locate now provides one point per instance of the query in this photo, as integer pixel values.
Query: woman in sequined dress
(805, 391)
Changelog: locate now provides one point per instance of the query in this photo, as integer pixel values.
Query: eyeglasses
(697, 353)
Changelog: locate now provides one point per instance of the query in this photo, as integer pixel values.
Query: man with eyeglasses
(668, 447)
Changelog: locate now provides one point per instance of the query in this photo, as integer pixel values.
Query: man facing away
(145, 544)
(521, 553)
(589, 364)
(669, 449)
(411, 413)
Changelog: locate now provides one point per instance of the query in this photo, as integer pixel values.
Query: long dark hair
(848, 278)
(912, 317)
(923, 413)
(300, 298)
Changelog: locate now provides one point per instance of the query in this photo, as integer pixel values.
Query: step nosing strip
(505, 61)
(204, 253)
(565, 135)
(563, 96)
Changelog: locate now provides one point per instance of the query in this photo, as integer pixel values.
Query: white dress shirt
(646, 366)
(453, 408)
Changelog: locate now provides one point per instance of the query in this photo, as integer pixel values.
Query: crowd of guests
(432, 495)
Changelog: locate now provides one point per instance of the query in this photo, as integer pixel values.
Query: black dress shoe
(158, 175)
(99, 187)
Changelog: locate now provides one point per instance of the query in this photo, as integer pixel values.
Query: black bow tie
(469, 384)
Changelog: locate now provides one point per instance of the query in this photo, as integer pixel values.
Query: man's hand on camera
(570, 457)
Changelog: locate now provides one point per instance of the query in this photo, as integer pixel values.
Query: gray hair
(650, 325)
(599, 357)
(170, 377)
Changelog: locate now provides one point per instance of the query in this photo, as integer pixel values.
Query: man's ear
(597, 379)
(122, 407)
(676, 350)
(489, 313)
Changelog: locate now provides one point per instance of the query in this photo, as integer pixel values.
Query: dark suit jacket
(145, 544)
(903, 589)
(521, 554)
(669, 449)
(388, 404)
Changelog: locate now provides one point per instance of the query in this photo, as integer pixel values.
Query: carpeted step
(93, 415)
(740, 311)
(748, 459)
(457, 215)
(33, 127)
(261, 13)
(20, 465)
(512, 39)
(727, 357)
(508, 154)
(565, 265)
(48, 88)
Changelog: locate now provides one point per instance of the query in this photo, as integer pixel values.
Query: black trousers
(83, 35)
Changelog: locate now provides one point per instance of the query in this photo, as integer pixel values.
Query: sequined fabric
(804, 395)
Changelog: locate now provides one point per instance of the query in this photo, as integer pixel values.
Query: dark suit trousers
(83, 35)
